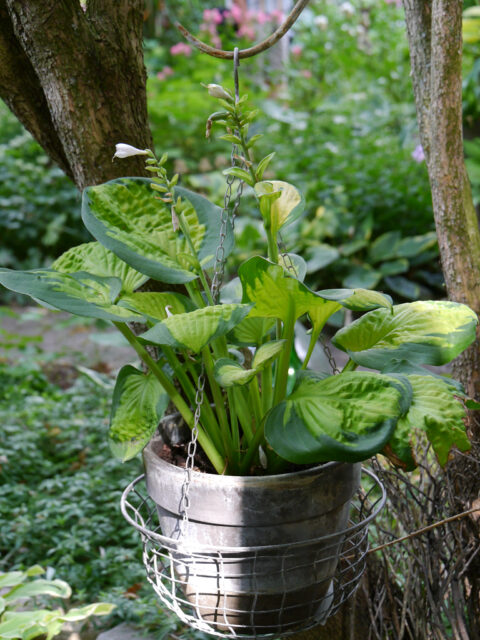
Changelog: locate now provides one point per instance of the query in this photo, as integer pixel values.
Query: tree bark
(434, 29)
(76, 80)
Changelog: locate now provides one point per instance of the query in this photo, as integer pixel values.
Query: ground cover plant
(59, 481)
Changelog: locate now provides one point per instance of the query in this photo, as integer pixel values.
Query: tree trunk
(76, 81)
(434, 30)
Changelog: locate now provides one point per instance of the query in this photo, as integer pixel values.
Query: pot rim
(246, 481)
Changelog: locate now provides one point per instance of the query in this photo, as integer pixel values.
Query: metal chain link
(329, 354)
(218, 275)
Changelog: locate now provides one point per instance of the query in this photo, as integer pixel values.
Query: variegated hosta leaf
(357, 299)
(196, 329)
(347, 417)
(81, 293)
(251, 331)
(295, 264)
(407, 367)
(266, 353)
(425, 332)
(435, 411)
(139, 402)
(285, 209)
(93, 258)
(275, 292)
(228, 373)
(154, 305)
(127, 217)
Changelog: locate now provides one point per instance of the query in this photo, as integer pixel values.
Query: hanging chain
(329, 354)
(218, 274)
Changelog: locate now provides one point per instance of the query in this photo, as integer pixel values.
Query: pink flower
(306, 73)
(212, 15)
(296, 50)
(164, 73)
(181, 49)
(236, 13)
(397, 3)
(262, 17)
(246, 31)
(417, 154)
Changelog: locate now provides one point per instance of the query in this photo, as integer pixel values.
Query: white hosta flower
(217, 91)
(126, 150)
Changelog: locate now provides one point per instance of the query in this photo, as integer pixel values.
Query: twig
(251, 51)
(419, 532)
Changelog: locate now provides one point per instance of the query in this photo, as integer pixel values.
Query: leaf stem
(213, 455)
(311, 346)
(350, 366)
(284, 360)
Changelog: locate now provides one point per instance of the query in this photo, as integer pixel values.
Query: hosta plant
(156, 248)
(23, 616)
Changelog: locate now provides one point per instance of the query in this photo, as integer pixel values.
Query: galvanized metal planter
(259, 556)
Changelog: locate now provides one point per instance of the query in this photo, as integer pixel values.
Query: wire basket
(201, 584)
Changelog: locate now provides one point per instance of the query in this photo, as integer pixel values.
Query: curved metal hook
(251, 51)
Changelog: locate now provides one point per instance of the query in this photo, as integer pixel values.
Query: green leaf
(153, 304)
(285, 209)
(94, 609)
(414, 245)
(139, 401)
(362, 276)
(127, 218)
(424, 332)
(239, 173)
(347, 417)
(262, 165)
(275, 292)
(231, 292)
(407, 367)
(40, 587)
(12, 578)
(231, 138)
(357, 299)
(228, 373)
(93, 258)
(266, 353)
(251, 331)
(434, 411)
(321, 256)
(403, 287)
(394, 267)
(15, 623)
(383, 247)
(196, 329)
(294, 264)
(80, 293)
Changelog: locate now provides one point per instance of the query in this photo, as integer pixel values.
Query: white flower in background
(216, 91)
(321, 22)
(126, 150)
(347, 8)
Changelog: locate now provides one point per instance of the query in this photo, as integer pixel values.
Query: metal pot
(260, 574)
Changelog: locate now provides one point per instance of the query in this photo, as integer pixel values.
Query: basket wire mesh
(225, 592)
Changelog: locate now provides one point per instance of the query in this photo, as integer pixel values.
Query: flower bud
(125, 151)
(216, 91)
